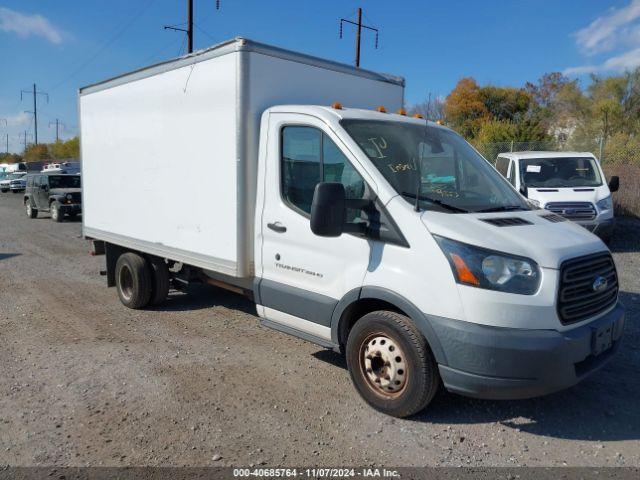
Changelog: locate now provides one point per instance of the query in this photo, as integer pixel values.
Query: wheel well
(359, 309)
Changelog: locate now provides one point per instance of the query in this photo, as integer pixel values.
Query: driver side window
(308, 157)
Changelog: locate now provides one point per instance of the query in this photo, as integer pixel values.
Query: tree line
(45, 151)
(554, 112)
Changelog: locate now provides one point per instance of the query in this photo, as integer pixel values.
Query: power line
(190, 22)
(359, 27)
(35, 93)
(104, 46)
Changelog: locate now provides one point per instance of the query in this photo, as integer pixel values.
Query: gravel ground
(86, 381)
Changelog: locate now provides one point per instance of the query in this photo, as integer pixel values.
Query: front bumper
(70, 208)
(503, 363)
(603, 228)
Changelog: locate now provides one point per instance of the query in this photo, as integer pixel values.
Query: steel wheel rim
(126, 282)
(28, 209)
(383, 365)
(54, 213)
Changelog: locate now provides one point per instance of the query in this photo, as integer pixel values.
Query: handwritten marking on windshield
(380, 144)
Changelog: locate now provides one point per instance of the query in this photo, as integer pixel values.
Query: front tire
(56, 212)
(31, 212)
(133, 280)
(391, 364)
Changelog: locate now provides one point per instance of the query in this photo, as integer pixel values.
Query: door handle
(277, 227)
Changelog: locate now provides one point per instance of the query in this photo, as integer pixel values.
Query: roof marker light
(401, 111)
(417, 115)
(336, 106)
(381, 109)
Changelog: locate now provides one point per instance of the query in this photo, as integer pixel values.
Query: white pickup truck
(353, 226)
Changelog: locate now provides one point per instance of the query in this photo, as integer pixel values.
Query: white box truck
(386, 237)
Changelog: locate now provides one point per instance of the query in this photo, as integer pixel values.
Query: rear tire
(133, 280)
(160, 280)
(56, 213)
(391, 364)
(31, 212)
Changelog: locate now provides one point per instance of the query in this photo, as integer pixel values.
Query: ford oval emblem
(599, 284)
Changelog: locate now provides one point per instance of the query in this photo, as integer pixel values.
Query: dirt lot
(86, 381)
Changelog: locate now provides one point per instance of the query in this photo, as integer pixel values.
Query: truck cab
(571, 184)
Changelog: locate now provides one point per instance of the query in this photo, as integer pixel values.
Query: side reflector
(401, 111)
(381, 109)
(464, 274)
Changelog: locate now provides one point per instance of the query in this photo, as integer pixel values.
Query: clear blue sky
(62, 45)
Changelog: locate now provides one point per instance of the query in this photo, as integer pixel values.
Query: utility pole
(189, 29)
(35, 93)
(25, 135)
(359, 27)
(57, 123)
(6, 124)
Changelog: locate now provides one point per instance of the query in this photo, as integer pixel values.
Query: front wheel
(56, 213)
(31, 212)
(391, 364)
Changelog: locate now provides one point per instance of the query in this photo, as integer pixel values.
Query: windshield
(560, 172)
(13, 176)
(64, 181)
(435, 165)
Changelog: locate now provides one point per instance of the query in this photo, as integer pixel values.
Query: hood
(573, 194)
(545, 242)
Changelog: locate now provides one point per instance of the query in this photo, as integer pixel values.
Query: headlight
(482, 268)
(69, 196)
(605, 203)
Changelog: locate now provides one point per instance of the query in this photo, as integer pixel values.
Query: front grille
(573, 210)
(578, 299)
(506, 221)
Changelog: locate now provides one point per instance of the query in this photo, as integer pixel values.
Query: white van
(356, 227)
(571, 184)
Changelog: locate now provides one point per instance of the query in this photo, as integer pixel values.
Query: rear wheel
(391, 364)
(159, 280)
(31, 212)
(56, 212)
(133, 280)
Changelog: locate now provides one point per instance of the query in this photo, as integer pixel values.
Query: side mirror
(524, 190)
(614, 184)
(328, 209)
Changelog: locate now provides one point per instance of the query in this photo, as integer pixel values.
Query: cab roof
(330, 114)
(544, 154)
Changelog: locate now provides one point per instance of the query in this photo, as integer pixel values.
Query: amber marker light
(381, 109)
(336, 106)
(417, 115)
(401, 111)
(464, 273)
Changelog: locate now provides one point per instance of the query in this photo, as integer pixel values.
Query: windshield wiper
(435, 201)
(503, 208)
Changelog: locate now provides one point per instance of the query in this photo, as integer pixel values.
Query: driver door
(303, 276)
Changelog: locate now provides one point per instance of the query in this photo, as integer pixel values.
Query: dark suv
(58, 194)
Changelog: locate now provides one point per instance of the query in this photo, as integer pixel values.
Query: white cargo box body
(170, 152)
